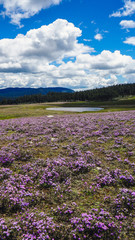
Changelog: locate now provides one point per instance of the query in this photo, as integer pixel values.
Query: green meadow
(39, 109)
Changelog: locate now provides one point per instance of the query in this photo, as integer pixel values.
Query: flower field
(68, 177)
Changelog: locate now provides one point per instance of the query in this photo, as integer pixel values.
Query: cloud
(21, 9)
(91, 71)
(127, 10)
(93, 22)
(87, 40)
(130, 40)
(98, 37)
(127, 24)
(106, 61)
(30, 52)
(48, 57)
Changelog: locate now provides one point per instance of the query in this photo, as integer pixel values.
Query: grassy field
(71, 176)
(39, 109)
(24, 110)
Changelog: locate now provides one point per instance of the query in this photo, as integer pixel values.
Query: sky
(78, 44)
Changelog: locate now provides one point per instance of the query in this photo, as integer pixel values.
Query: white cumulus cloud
(127, 24)
(41, 46)
(98, 37)
(127, 10)
(106, 62)
(130, 40)
(51, 56)
(20, 9)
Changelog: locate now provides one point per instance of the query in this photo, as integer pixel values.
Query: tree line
(98, 94)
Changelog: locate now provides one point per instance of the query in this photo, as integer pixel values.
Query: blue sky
(79, 44)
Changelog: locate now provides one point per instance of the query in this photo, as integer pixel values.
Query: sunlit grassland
(24, 110)
(39, 109)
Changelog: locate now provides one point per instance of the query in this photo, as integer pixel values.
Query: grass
(24, 110)
(39, 109)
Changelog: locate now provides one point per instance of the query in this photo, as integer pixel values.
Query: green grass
(39, 109)
(130, 97)
(24, 110)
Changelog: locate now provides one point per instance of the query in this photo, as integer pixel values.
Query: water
(75, 109)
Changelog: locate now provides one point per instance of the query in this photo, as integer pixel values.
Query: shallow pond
(75, 109)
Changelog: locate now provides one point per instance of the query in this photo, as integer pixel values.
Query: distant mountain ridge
(19, 92)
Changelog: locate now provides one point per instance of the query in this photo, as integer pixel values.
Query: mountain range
(19, 92)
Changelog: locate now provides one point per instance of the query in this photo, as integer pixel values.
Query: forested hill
(99, 94)
(106, 93)
(19, 92)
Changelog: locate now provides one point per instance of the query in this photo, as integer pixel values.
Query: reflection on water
(75, 109)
